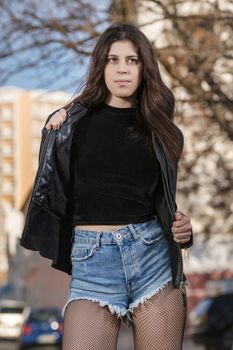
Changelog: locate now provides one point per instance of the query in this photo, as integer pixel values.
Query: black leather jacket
(48, 227)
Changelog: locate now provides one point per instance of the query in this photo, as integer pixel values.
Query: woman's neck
(121, 103)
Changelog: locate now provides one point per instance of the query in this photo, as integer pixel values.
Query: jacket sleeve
(190, 242)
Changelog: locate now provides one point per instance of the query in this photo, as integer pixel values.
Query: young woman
(103, 204)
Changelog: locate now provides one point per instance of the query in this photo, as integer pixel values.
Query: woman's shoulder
(76, 107)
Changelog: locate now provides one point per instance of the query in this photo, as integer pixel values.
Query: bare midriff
(99, 227)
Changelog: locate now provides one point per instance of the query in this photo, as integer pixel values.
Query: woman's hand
(181, 228)
(56, 121)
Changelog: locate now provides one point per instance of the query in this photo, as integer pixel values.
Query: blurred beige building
(22, 116)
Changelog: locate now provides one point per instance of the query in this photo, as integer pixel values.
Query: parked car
(12, 315)
(211, 322)
(42, 326)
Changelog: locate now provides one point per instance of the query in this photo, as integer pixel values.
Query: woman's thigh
(88, 326)
(159, 322)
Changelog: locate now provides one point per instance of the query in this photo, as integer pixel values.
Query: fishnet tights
(158, 324)
(88, 326)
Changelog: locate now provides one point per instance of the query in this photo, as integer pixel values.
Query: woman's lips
(122, 81)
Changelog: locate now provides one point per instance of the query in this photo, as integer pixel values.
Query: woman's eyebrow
(126, 56)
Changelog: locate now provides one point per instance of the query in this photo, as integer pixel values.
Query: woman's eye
(133, 60)
(130, 60)
(112, 59)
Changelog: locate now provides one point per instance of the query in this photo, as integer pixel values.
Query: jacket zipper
(41, 162)
(170, 207)
(167, 193)
(43, 151)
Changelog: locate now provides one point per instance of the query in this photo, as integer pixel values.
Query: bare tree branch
(29, 32)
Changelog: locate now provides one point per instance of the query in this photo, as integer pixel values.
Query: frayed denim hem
(119, 311)
(147, 296)
(114, 309)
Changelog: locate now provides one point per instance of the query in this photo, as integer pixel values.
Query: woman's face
(123, 71)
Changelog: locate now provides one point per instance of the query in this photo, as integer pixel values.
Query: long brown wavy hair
(155, 101)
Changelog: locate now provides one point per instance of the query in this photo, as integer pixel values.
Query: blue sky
(36, 78)
(52, 76)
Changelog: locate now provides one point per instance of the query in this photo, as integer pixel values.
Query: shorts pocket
(82, 253)
(151, 234)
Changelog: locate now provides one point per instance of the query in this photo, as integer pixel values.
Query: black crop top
(113, 178)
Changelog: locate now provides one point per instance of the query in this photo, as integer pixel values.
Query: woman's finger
(57, 120)
(182, 235)
(182, 238)
(181, 229)
(63, 114)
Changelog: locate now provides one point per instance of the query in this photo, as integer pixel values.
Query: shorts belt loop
(97, 245)
(133, 231)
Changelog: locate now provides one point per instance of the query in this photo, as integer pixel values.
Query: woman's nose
(122, 67)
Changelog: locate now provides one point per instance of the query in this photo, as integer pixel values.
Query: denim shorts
(120, 268)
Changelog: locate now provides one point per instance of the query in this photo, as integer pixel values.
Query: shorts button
(118, 235)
